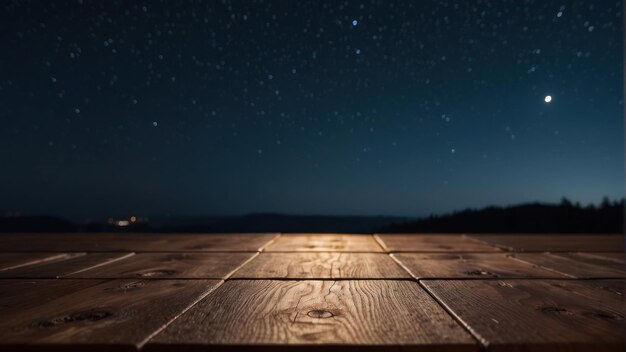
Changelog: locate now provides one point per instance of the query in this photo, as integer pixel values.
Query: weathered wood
(17, 295)
(122, 242)
(534, 315)
(556, 242)
(616, 257)
(94, 315)
(357, 314)
(470, 265)
(575, 266)
(16, 260)
(324, 243)
(433, 243)
(169, 265)
(66, 265)
(331, 292)
(322, 265)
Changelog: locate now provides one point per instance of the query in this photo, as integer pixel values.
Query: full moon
(548, 98)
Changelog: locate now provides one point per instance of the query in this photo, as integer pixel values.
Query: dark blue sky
(329, 107)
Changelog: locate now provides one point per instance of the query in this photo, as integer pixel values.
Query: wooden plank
(324, 243)
(470, 265)
(372, 314)
(95, 315)
(322, 265)
(556, 242)
(535, 315)
(71, 263)
(16, 260)
(575, 266)
(123, 242)
(433, 243)
(170, 265)
(616, 257)
(17, 295)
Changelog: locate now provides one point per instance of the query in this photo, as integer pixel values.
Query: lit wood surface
(388, 313)
(331, 292)
(324, 243)
(322, 265)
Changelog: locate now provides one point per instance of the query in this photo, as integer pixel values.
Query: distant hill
(565, 217)
(35, 224)
(245, 223)
(608, 217)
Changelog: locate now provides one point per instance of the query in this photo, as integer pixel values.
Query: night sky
(110, 108)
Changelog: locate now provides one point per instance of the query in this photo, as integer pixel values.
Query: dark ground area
(566, 217)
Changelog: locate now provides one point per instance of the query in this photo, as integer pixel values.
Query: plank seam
(141, 344)
(495, 245)
(227, 276)
(466, 236)
(483, 344)
(128, 255)
(272, 240)
(393, 257)
(544, 267)
(36, 261)
(381, 243)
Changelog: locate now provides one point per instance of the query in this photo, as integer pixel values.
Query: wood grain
(433, 243)
(16, 260)
(388, 315)
(556, 242)
(18, 295)
(532, 315)
(122, 242)
(169, 265)
(575, 265)
(91, 314)
(324, 243)
(470, 265)
(616, 257)
(66, 265)
(322, 265)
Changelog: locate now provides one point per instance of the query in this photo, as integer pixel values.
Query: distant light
(123, 223)
(358, 51)
(452, 150)
(133, 219)
(548, 98)
(155, 124)
(355, 22)
(559, 14)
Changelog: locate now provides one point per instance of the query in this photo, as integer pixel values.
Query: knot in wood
(320, 313)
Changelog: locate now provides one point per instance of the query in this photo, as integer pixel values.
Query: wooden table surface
(322, 292)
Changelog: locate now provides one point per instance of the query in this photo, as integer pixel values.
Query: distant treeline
(566, 217)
